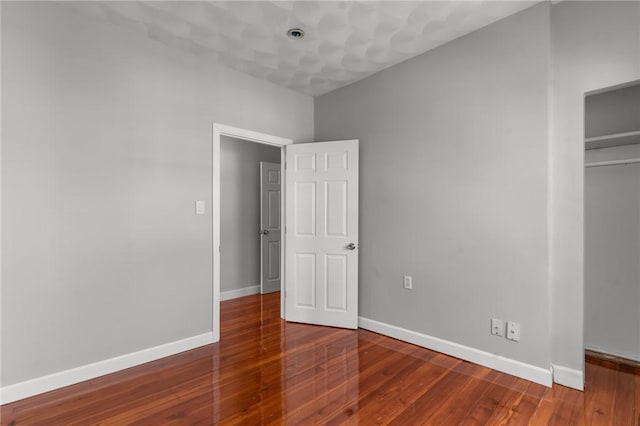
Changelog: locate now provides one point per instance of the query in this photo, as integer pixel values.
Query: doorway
(247, 233)
(220, 131)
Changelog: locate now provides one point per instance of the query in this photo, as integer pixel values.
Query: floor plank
(267, 371)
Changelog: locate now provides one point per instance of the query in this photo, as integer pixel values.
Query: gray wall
(595, 45)
(240, 210)
(454, 186)
(106, 144)
(612, 254)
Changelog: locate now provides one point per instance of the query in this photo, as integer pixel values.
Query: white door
(269, 227)
(321, 276)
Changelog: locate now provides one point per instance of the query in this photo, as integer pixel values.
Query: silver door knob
(352, 246)
(265, 232)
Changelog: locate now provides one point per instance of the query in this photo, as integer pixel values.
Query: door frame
(220, 130)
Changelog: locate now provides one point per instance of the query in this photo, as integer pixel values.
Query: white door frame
(220, 130)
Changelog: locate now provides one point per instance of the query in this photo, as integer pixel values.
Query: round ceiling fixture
(295, 33)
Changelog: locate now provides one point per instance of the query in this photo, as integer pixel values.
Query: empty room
(320, 212)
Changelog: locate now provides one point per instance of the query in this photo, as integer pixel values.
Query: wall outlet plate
(497, 328)
(513, 331)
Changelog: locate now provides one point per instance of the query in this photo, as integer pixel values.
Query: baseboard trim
(61, 379)
(568, 377)
(603, 353)
(506, 365)
(595, 356)
(240, 292)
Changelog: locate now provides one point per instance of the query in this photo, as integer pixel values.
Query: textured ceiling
(344, 41)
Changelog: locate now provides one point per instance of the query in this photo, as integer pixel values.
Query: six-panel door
(270, 227)
(322, 233)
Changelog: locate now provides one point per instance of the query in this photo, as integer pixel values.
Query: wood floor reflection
(266, 371)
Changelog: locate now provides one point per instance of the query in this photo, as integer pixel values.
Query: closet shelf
(617, 139)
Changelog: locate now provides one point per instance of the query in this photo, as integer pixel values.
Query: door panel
(322, 239)
(305, 209)
(270, 233)
(305, 280)
(273, 205)
(336, 209)
(273, 271)
(336, 282)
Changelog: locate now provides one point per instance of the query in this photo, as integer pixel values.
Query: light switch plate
(407, 282)
(199, 207)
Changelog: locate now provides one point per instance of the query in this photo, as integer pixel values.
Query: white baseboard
(61, 379)
(568, 377)
(487, 359)
(240, 292)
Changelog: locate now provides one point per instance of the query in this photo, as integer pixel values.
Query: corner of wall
(569, 377)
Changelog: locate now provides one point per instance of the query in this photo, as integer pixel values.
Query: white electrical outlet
(497, 329)
(199, 207)
(513, 331)
(407, 282)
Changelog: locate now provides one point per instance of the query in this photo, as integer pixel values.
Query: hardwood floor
(266, 371)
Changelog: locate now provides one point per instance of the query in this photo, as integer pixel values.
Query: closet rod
(613, 162)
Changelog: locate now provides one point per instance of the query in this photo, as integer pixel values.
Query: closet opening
(612, 228)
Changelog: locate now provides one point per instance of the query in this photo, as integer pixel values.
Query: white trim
(612, 88)
(239, 292)
(506, 365)
(249, 135)
(220, 130)
(613, 136)
(613, 162)
(61, 379)
(569, 377)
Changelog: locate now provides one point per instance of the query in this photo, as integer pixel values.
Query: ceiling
(344, 42)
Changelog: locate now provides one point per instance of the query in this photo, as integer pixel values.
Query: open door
(269, 227)
(321, 276)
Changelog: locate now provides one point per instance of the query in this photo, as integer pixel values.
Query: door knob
(265, 232)
(352, 246)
